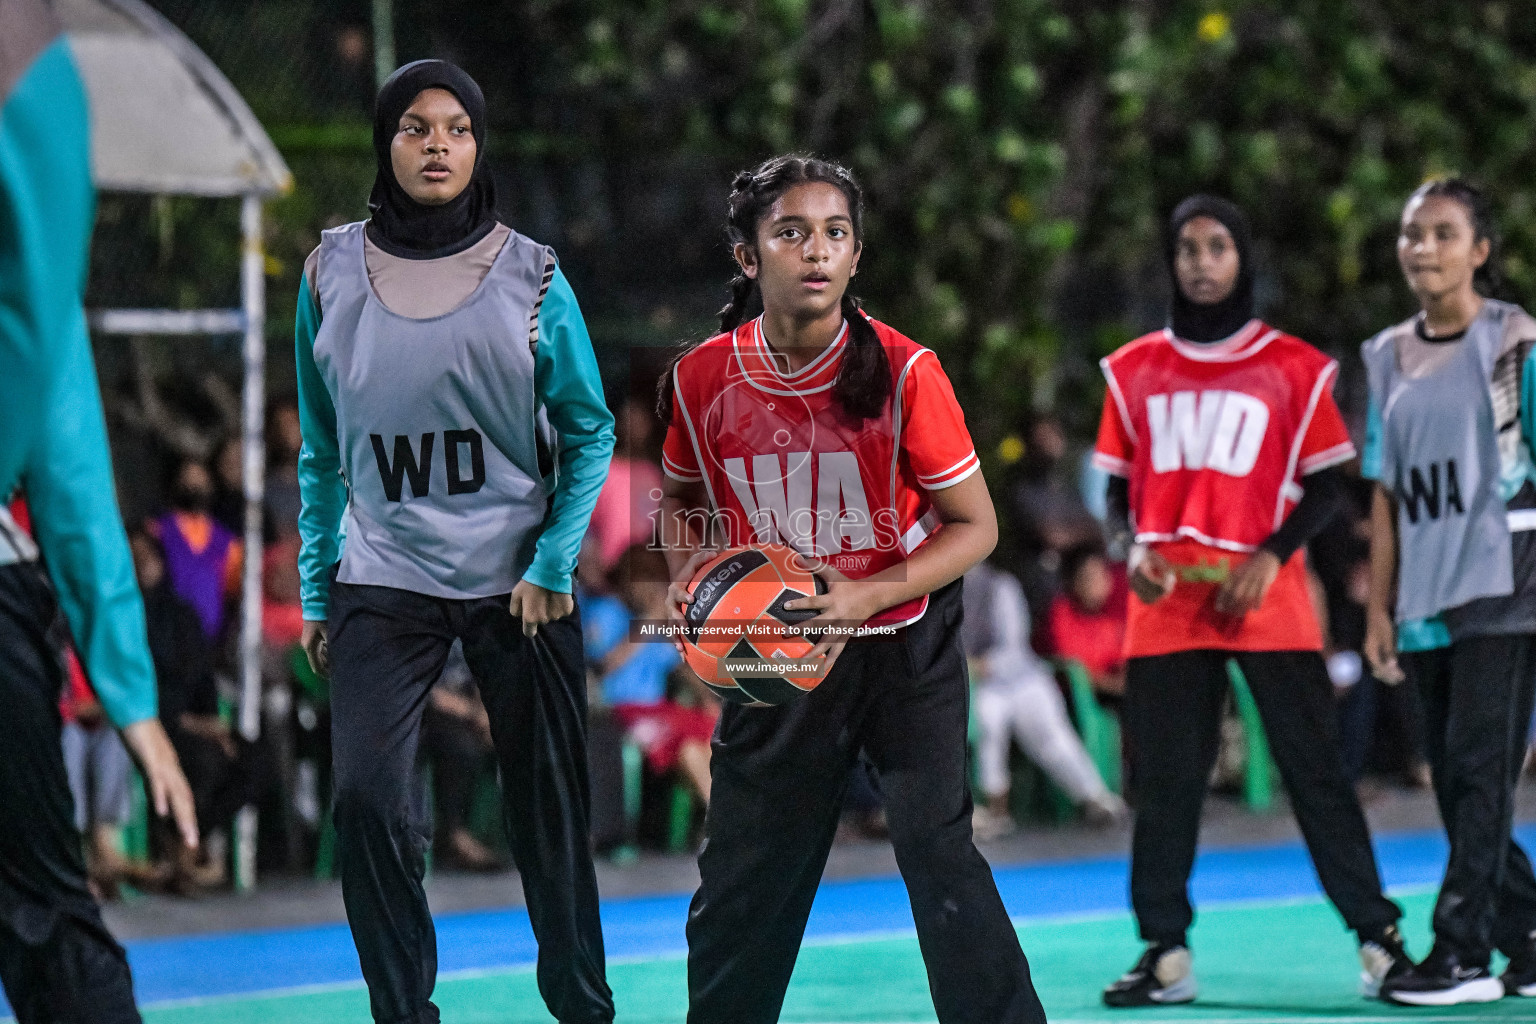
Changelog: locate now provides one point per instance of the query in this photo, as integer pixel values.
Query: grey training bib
(437, 423)
(1440, 457)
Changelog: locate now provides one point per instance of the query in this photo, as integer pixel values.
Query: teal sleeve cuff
(555, 583)
(1528, 401)
(1370, 458)
(567, 385)
(322, 490)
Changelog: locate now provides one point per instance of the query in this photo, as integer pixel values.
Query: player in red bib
(817, 427)
(1221, 434)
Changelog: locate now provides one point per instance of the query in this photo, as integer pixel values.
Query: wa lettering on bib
(782, 463)
(1446, 439)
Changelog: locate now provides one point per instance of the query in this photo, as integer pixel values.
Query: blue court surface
(254, 976)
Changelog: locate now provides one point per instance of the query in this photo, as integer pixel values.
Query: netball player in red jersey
(814, 426)
(1224, 437)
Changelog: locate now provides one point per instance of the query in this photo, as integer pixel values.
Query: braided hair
(1486, 279)
(863, 384)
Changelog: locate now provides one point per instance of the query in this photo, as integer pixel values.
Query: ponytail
(735, 311)
(863, 383)
(864, 380)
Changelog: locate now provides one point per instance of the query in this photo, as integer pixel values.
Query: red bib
(782, 463)
(1215, 441)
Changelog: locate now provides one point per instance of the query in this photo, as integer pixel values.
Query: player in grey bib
(440, 453)
(1449, 444)
(455, 441)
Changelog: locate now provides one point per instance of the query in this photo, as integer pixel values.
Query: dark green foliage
(1019, 155)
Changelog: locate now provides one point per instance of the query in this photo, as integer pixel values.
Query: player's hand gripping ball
(738, 627)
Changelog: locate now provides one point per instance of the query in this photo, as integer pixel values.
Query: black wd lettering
(451, 441)
(405, 465)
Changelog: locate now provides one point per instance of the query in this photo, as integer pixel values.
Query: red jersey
(783, 463)
(1215, 440)
(1095, 639)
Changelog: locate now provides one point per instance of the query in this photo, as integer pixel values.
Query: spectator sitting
(1049, 515)
(228, 504)
(1381, 727)
(604, 619)
(281, 490)
(201, 558)
(628, 504)
(226, 771)
(1017, 697)
(96, 762)
(671, 735)
(1087, 619)
(99, 777)
(282, 613)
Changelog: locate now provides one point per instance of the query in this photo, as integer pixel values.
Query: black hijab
(400, 225)
(1194, 321)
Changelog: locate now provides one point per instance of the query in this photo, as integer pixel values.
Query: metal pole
(383, 41)
(253, 407)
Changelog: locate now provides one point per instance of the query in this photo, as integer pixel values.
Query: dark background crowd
(651, 719)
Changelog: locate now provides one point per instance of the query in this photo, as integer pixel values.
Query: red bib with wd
(1216, 441)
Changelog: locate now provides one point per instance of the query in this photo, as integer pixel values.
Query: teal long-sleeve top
(566, 384)
(53, 439)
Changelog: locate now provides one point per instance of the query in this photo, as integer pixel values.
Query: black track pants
(779, 775)
(1173, 712)
(1477, 707)
(387, 648)
(58, 963)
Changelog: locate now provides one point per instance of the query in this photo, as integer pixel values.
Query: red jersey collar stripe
(1249, 339)
(757, 361)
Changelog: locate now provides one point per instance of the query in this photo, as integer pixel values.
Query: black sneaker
(1441, 980)
(1163, 975)
(1519, 977)
(1382, 959)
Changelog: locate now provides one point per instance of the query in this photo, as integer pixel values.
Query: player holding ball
(1222, 437)
(815, 426)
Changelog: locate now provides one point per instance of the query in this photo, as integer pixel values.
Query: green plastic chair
(136, 830)
(629, 851)
(679, 811)
(1098, 727)
(1258, 775)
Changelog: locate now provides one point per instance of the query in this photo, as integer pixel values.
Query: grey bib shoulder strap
(544, 434)
(538, 303)
(341, 277)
